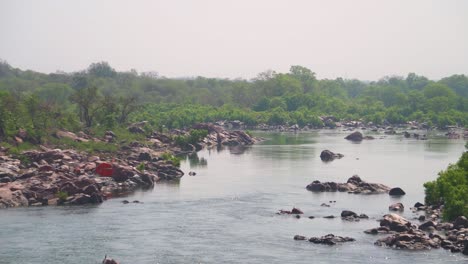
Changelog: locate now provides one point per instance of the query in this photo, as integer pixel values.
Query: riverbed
(227, 212)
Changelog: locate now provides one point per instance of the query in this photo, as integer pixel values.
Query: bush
(450, 189)
(62, 196)
(195, 136)
(173, 159)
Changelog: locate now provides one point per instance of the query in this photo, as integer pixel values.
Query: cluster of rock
(352, 216)
(217, 136)
(54, 176)
(405, 235)
(353, 185)
(329, 239)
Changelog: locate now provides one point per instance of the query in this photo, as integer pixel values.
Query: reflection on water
(195, 161)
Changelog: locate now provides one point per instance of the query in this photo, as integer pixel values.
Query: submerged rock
(355, 136)
(397, 191)
(396, 207)
(330, 239)
(327, 155)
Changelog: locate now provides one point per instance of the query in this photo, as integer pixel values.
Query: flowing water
(226, 213)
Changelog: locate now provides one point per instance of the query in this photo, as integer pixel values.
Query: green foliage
(102, 98)
(140, 167)
(89, 146)
(450, 189)
(173, 159)
(62, 196)
(194, 136)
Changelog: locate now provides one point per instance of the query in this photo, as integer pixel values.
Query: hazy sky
(364, 39)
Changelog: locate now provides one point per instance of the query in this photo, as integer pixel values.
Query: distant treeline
(102, 97)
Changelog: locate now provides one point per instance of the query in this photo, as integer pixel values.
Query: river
(226, 213)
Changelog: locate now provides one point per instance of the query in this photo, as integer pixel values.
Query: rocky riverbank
(53, 176)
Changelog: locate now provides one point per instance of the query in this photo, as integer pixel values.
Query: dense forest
(102, 98)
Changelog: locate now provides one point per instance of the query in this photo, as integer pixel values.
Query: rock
(409, 241)
(330, 239)
(418, 205)
(144, 156)
(353, 185)
(325, 205)
(298, 216)
(192, 173)
(347, 213)
(299, 237)
(109, 261)
(460, 222)
(355, 136)
(422, 218)
(395, 223)
(69, 188)
(136, 130)
(397, 191)
(327, 155)
(407, 134)
(311, 217)
(329, 216)
(396, 207)
(122, 173)
(427, 225)
(296, 211)
(125, 202)
(465, 247)
(79, 199)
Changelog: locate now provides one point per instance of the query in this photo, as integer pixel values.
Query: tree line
(99, 96)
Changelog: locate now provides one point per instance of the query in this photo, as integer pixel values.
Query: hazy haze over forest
(353, 39)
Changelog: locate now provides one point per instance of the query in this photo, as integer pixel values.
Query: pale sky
(364, 39)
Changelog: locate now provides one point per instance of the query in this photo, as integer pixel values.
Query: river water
(226, 213)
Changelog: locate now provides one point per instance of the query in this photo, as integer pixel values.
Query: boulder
(355, 136)
(79, 199)
(122, 173)
(395, 223)
(427, 225)
(299, 237)
(327, 155)
(109, 261)
(397, 191)
(347, 213)
(396, 207)
(460, 222)
(296, 211)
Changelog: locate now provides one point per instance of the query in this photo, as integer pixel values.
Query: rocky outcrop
(59, 177)
(327, 155)
(353, 185)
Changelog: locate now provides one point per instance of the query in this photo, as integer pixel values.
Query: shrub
(450, 189)
(173, 159)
